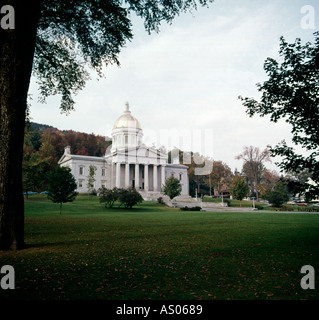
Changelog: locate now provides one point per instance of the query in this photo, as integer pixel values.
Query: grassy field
(154, 252)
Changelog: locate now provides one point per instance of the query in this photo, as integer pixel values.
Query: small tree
(172, 187)
(61, 186)
(91, 180)
(239, 188)
(279, 195)
(129, 197)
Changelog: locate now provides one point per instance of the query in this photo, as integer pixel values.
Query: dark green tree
(172, 187)
(291, 93)
(239, 188)
(278, 195)
(55, 40)
(61, 186)
(34, 173)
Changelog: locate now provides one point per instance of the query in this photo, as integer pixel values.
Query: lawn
(154, 252)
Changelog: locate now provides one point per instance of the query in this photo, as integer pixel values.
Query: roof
(126, 120)
(67, 157)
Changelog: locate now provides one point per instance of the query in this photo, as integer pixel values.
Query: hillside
(51, 141)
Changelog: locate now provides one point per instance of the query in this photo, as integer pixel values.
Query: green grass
(154, 252)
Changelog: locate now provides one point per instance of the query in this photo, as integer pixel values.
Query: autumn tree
(56, 40)
(253, 165)
(291, 93)
(219, 175)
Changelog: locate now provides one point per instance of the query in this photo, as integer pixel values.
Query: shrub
(196, 208)
(108, 196)
(129, 197)
(160, 200)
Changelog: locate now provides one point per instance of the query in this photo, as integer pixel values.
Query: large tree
(254, 160)
(57, 39)
(291, 93)
(219, 175)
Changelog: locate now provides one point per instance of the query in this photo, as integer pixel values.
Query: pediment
(64, 158)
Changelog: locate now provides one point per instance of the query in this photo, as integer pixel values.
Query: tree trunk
(256, 186)
(16, 57)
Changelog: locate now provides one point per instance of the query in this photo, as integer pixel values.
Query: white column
(137, 176)
(155, 188)
(146, 177)
(127, 175)
(163, 175)
(118, 175)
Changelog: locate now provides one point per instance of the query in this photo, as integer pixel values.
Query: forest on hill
(50, 141)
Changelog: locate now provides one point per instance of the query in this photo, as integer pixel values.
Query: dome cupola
(127, 131)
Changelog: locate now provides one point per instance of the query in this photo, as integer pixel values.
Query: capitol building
(128, 162)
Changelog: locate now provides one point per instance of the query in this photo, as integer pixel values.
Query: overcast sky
(184, 81)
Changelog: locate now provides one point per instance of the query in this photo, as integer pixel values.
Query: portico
(142, 177)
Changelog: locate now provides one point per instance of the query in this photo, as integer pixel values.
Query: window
(180, 176)
(103, 172)
(81, 170)
(80, 183)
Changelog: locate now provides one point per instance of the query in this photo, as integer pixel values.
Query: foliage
(80, 143)
(291, 93)
(220, 175)
(34, 173)
(160, 200)
(196, 208)
(253, 165)
(239, 188)
(130, 197)
(127, 197)
(278, 195)
(92, 32)
(61, 186)
(108, 196)
(91, 179)
(172, 187)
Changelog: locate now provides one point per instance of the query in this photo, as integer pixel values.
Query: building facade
(126, 163)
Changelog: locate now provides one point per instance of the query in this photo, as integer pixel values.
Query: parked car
(30, 192)
(301, 204)
(316, 205)
(291, 202)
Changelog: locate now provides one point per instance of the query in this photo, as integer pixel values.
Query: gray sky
(184, 81)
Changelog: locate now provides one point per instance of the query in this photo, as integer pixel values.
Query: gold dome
(126, 120)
